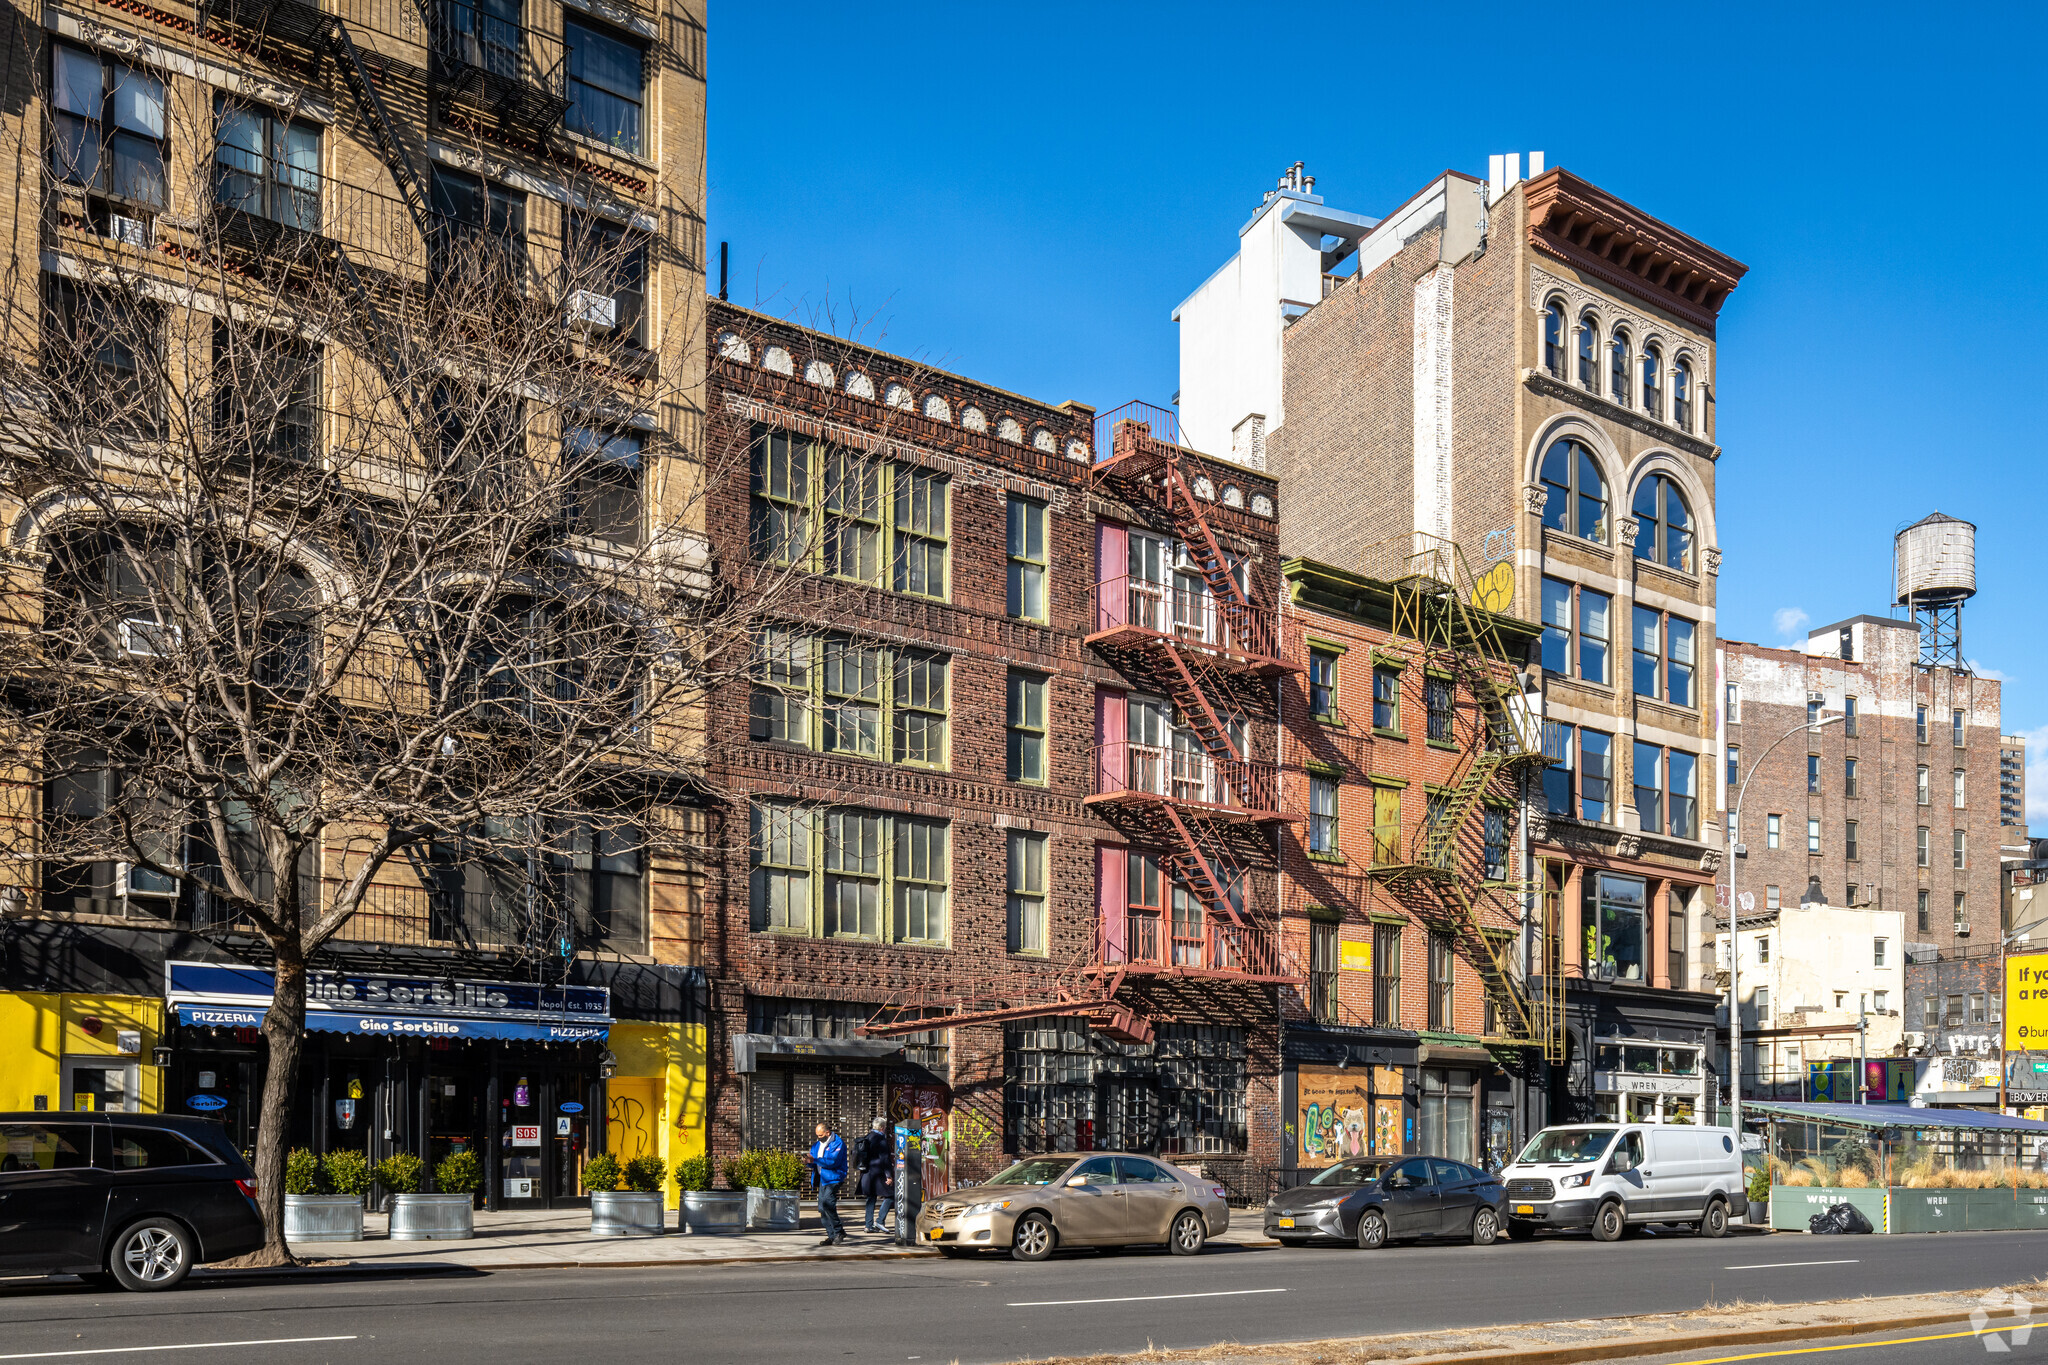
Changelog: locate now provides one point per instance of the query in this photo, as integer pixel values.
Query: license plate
(1525, 1208)
(1286, 1222)
(935, 1233)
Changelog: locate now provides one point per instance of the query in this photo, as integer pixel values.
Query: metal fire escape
(1499, 743)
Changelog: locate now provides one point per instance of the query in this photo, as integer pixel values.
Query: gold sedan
(1091, 1199)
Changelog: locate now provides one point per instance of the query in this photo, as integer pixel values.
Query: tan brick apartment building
(1001, 806)
(166, 156)
(1526, 369)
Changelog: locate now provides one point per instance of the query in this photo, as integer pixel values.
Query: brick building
(253, 202)
(1527, 369)
(1407, 739)
(1892, 807)
(999, 838)
(2012, 793)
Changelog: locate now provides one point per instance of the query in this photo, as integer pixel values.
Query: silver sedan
(1091, 1199)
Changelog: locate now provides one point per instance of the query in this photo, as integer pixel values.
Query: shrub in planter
(770, 1170)
(347, 1172)
(303, 1173)
(694, 1173)
(401, 1173)
(458, 1173)
(601, 1172)
(1759, 1185)
(644, 1174)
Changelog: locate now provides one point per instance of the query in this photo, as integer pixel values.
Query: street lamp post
(1734, 932)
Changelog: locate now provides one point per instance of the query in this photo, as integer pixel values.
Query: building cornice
(1593, 231)
(1547, 384)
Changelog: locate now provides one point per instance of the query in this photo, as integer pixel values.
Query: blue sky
(1024, 194)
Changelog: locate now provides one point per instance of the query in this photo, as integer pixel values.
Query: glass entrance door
(522, 1163)
(568, 1136)
(455, 1112)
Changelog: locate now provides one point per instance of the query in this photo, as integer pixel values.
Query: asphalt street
(987, 1310)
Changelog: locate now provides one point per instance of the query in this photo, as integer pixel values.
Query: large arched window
(1589, 353)
(1553, 338)
(1577, 496)
(1663, 523)
(1617, 367)
(1681, 394)
(1653, 381)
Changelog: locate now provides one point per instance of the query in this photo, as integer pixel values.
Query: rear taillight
(1220, 1192)
(247, 1187)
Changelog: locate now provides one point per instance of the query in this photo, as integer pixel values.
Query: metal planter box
(432, 1217)
(626, 1213)
(1793, 1206)
(323, 1218)
(1928, 1210)
(772, 1210)
(714, 1211)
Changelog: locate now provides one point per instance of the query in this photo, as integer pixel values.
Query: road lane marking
(1846, 1346)
(1135, 1298)
(180, 1346)
(1780, 1265)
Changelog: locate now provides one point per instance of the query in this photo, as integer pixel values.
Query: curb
(1703, 1341)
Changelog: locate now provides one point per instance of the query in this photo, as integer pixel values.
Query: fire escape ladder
(1439, 836)
(1192, 867)
(1191, 699)
(1234, 611)
(348, 59)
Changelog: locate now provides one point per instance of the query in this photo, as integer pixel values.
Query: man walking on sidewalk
(828, 1167)
(874, 1161)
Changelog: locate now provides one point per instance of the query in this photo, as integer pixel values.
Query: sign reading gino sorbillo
(216, 994)
(2026, 1002)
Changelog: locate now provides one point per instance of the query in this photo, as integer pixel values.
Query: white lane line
(1767, 1265)
(180, 1346)
(1135, 1298)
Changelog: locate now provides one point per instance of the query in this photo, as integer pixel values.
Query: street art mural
(1346, 1113)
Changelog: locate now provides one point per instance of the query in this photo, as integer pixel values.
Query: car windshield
(1040, 1170)
(1567, 1145)
(1351, 1173)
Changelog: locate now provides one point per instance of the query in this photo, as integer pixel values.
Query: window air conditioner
(592, 309)
(1816, 696)
(129, 231)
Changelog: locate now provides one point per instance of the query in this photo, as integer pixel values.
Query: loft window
(1735, 764)
(1026, 545)
(1955, 723)
(606, 264)
(1850, 848)
(108, 127)
(1322, 814)
(1438, 701)
(1553, 338)
(1596, 775)
(1027, 893)
(1653, 381)
(1596, 611)
(1849, 716)
(874, 513)
(1681, 394)
(1663, 523)
(266, 394)
(606, 472)
(1849, 777)
(485, 35)
(1322, 685)
(1813, 773)
(1386, 699)
(1496, 844)
(1649, 782)
(102, 354)
(267, 166)
(1589, 351)
(1026, 756)
(607, 82)
(1617, 367)
(1557, 778)
(480, 231)
(1647, 639)
(1920, 724)
(1576, 494)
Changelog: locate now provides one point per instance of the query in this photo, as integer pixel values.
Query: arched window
(898, 396)
(1663, 523)
(859, 385)
(1589, 349)
(1009, 429)
(731, 347)
(1577, 501)
(1653, 381)
(1553, 338)
(1617, 367)
(777, 359)
(818, 372)
(1681, 394)
(973, 418)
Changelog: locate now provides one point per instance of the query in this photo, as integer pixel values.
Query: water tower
(1934, 569)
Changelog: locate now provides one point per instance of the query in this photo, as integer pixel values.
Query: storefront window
(1448, 1127)
(1613, 914)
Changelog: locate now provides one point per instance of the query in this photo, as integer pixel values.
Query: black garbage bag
(1839, 1218)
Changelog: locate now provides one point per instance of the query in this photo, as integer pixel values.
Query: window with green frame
(1026, 756)
(841, 695)
(849, 873)
(1026, 535)
(1386, 698)
(1322, 685)
(828, 510)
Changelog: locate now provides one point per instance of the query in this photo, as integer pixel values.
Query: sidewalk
(560, 1239)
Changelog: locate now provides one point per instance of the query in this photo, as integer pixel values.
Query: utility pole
(1735, 934)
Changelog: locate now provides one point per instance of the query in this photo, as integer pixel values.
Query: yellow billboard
(1354, 957)
(2026, 1002)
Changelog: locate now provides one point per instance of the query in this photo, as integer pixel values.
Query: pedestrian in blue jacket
(828, 1167)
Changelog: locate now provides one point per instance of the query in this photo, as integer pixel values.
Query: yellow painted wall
(655, 1099)
(37, 1029)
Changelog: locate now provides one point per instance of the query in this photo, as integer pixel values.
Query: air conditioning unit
(588, 308)
(129, 231)
(1816, 696)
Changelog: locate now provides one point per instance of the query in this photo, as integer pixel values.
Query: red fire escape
(1195, 800)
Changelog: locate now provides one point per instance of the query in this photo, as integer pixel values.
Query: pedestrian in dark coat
(874, 1158)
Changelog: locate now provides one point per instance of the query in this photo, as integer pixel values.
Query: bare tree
(356, 554)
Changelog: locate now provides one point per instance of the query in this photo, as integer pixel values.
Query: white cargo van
(1605, 1176)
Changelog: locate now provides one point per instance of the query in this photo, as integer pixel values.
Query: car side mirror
(1077, 1182)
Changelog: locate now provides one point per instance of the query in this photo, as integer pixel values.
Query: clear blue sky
(1023, 194)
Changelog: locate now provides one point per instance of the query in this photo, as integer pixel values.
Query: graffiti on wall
(929, 1105)
(1346, 1113)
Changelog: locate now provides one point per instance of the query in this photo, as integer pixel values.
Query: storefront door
(104, 1084)
(455, 1114)
(544, 1136)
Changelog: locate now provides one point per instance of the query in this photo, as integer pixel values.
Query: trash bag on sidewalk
(1839, 1218)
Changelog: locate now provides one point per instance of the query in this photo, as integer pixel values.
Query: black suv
(130, 1199)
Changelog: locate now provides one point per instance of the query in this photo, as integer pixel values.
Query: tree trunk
(284, 1030)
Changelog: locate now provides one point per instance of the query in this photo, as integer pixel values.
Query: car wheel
(1715, 1222)
(1519, 1231)
(1609, 1223)
(1372, 1230)
(1485, 1227)
(152, 1254)
(1188, 1235)
(1033, 1240)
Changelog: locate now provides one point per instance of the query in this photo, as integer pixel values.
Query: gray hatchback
(1371, 1201)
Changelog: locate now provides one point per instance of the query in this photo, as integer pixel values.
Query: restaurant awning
(396, 1025)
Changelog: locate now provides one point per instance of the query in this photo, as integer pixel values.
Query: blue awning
(1893, 1116)
(397, 1025)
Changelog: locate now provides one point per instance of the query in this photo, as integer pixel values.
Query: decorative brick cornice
(1543, 382)
(1595, 232)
